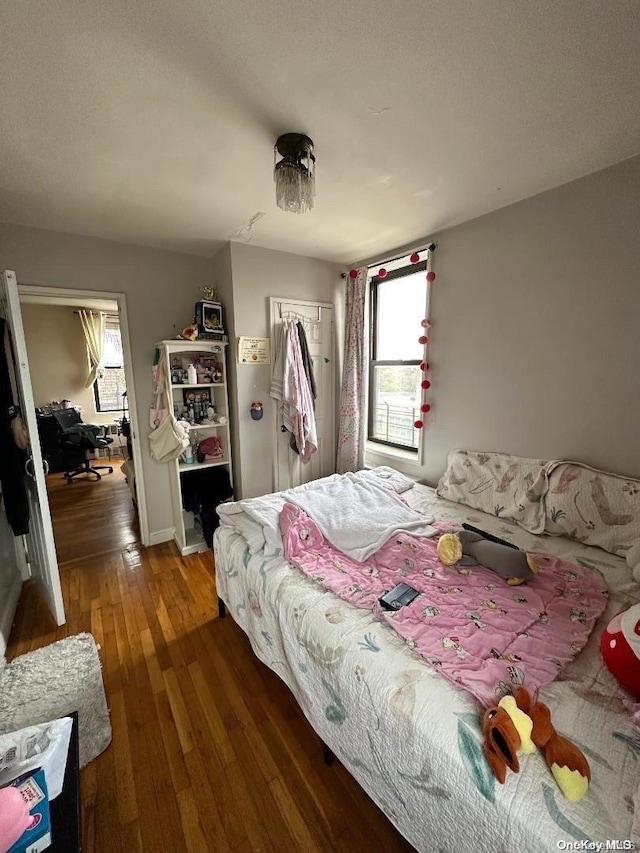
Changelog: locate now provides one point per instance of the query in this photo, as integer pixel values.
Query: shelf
(195, 466)
(200, 344)
(198, 385)
(207, 426)
(194, 542)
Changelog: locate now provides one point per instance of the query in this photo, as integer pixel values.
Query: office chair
(77, 441)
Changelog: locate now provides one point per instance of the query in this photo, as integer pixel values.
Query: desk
(65, 809)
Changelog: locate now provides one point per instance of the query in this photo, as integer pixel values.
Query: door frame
(274, 301)
(70, 296)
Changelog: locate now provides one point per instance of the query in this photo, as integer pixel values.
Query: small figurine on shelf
(189, 333)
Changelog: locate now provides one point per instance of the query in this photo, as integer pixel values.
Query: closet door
(317, 319)
(37, 548)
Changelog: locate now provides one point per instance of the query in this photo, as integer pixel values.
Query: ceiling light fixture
(294, 174)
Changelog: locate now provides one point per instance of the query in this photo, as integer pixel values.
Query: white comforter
(370, 512)
(409, 737)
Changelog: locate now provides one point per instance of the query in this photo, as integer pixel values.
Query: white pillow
(510, 487)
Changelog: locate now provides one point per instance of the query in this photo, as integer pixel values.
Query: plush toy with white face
(620, 647)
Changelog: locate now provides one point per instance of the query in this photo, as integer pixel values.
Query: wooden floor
(92, 516)
(210, 751)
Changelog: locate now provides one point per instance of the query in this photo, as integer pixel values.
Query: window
(109, 389)
(398, 303)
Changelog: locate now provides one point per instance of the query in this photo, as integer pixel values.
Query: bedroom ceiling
(154, 122)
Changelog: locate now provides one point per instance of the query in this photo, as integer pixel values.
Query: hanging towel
(296, 401)
(307, 361)
(277, 373)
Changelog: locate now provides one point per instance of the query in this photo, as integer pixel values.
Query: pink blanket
(481, 633)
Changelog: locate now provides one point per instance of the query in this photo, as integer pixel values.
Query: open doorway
(94, 494)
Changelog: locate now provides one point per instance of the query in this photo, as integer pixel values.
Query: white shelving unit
(187, 537)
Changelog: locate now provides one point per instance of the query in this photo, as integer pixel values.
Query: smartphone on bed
(398, 597)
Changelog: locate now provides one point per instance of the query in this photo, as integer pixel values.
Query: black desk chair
(78, 440)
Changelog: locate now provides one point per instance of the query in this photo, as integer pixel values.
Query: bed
(413, 740)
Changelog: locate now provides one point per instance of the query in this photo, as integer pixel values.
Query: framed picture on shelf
(209, 317)
(201, 396)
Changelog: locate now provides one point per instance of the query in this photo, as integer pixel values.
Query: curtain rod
(106, 313)
(431, 247)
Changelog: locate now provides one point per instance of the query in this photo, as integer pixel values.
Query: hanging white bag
(169, 438)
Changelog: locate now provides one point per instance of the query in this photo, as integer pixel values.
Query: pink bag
(211, 447)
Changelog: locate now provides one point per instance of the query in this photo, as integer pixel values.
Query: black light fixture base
(294, 145)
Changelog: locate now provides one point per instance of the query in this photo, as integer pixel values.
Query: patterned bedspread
(480, 633)
(412, 739)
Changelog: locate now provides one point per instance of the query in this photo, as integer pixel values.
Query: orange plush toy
(521, 724)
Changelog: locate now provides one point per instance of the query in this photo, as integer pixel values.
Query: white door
(38, 546)
(317, 320)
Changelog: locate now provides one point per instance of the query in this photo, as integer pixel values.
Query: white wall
(257, 275)
(161, 289)
(536, 336)
(223, 282)
(58, 359)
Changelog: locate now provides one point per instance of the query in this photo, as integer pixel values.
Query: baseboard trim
(160, 536)
(7, 611)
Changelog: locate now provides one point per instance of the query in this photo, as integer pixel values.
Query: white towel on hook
(291, 387)
(277, 372)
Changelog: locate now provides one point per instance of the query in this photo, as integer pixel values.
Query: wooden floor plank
(210, 751)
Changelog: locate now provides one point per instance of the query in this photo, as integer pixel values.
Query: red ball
(431, 276)
(423, 365)
(418, 424)
(425, 407)
(353, 273)
(423, 339)
(425, 383)
(414, 258)
(382, 273)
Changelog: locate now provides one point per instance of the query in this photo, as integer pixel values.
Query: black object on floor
(327, 754)
(65, 809)
(202, 491)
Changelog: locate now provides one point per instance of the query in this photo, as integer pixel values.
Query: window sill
(381, 454)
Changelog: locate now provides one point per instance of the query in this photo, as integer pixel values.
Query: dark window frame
(402, 272)
(96, 394)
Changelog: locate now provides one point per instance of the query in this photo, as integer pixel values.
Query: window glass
(400, 308)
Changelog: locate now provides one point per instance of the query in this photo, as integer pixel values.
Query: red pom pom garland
(353, 274)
